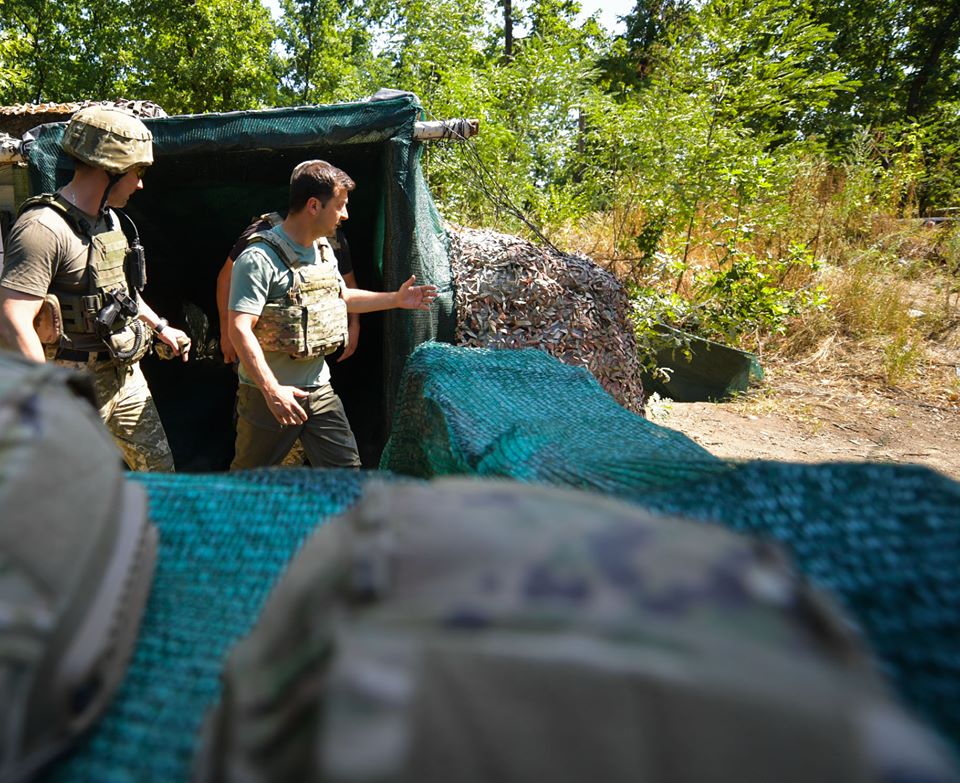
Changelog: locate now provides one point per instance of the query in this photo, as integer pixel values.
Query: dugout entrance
(212, 173)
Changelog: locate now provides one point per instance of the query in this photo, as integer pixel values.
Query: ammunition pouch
(49, 321)
(303, 331)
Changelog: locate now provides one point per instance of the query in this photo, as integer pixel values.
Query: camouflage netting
(511, 293)
(885, 539)
(18, 119)
(223, 542)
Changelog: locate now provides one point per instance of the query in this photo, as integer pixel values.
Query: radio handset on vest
(135, 267)
(135, 261)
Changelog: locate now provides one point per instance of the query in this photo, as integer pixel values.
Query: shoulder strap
(284, 250)
(62, 207)
(72, 216)
(273, 218)
(282, 247)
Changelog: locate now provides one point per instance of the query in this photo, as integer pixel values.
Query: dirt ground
(798, 416)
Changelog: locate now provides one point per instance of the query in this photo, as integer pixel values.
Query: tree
(206, 55)
(329, 49)
(63, 51)
(903, 54)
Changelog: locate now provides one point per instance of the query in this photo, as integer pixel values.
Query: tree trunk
(946, 33)
(508, 29)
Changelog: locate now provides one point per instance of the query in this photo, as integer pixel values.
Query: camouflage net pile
(511, 293)
(885, 539)
(17, 120)
(224, 540)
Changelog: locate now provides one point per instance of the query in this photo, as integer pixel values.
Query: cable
(493, 190)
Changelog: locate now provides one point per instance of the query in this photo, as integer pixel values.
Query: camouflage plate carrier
(311, 320)
(76, 564)
(470, 631)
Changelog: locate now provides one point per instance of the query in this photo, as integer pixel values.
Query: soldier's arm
(223, 311)
(407, 297)
(178, 340)
(353, 322)
(17, 333)
(282, 400)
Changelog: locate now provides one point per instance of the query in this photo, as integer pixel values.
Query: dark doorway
(189, 214)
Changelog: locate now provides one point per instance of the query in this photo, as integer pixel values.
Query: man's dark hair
(316, 179)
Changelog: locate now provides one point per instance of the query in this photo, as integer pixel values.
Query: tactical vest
(108, 262)
(311, 319)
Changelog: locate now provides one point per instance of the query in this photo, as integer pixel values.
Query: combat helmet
(108, 138)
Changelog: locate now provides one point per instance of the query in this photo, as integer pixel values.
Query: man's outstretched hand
(415, 297)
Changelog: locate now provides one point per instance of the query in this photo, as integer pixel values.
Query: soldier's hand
(415, 297)
(226, 348)
(178, 341)
(282, 401)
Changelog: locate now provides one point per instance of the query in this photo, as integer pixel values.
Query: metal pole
(440, 130)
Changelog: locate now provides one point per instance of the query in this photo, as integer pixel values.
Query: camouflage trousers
(128, 411)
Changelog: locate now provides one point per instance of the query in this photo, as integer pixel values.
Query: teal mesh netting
(526, 415)
(885, 539)
(223, 542)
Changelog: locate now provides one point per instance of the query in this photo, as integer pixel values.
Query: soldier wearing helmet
(73, 272)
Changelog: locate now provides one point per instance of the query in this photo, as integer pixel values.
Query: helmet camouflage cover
(108, 138)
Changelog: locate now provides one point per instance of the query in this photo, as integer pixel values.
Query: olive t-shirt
(42, 250)
(259, 276)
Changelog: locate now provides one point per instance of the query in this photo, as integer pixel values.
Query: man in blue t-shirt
(281, 397)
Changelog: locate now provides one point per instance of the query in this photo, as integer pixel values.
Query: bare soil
(798, 415)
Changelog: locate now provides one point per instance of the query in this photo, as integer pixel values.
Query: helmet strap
(113, 180)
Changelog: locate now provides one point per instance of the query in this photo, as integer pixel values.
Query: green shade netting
(885, 539)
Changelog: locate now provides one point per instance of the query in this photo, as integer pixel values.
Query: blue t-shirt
(259, 276)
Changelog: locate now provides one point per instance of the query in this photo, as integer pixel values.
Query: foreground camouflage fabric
(76, 561)
(224, 539)
(477, 631)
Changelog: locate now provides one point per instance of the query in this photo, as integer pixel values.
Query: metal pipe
(440, 130)
(10, 151)
(434, 130)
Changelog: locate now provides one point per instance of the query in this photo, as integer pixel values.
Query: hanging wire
(488, 183)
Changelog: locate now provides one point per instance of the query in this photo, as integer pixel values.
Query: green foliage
(652, 309)
(747, 294)
(206, 55)
(721, 145)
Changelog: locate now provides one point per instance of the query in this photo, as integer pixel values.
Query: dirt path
(801, 418)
